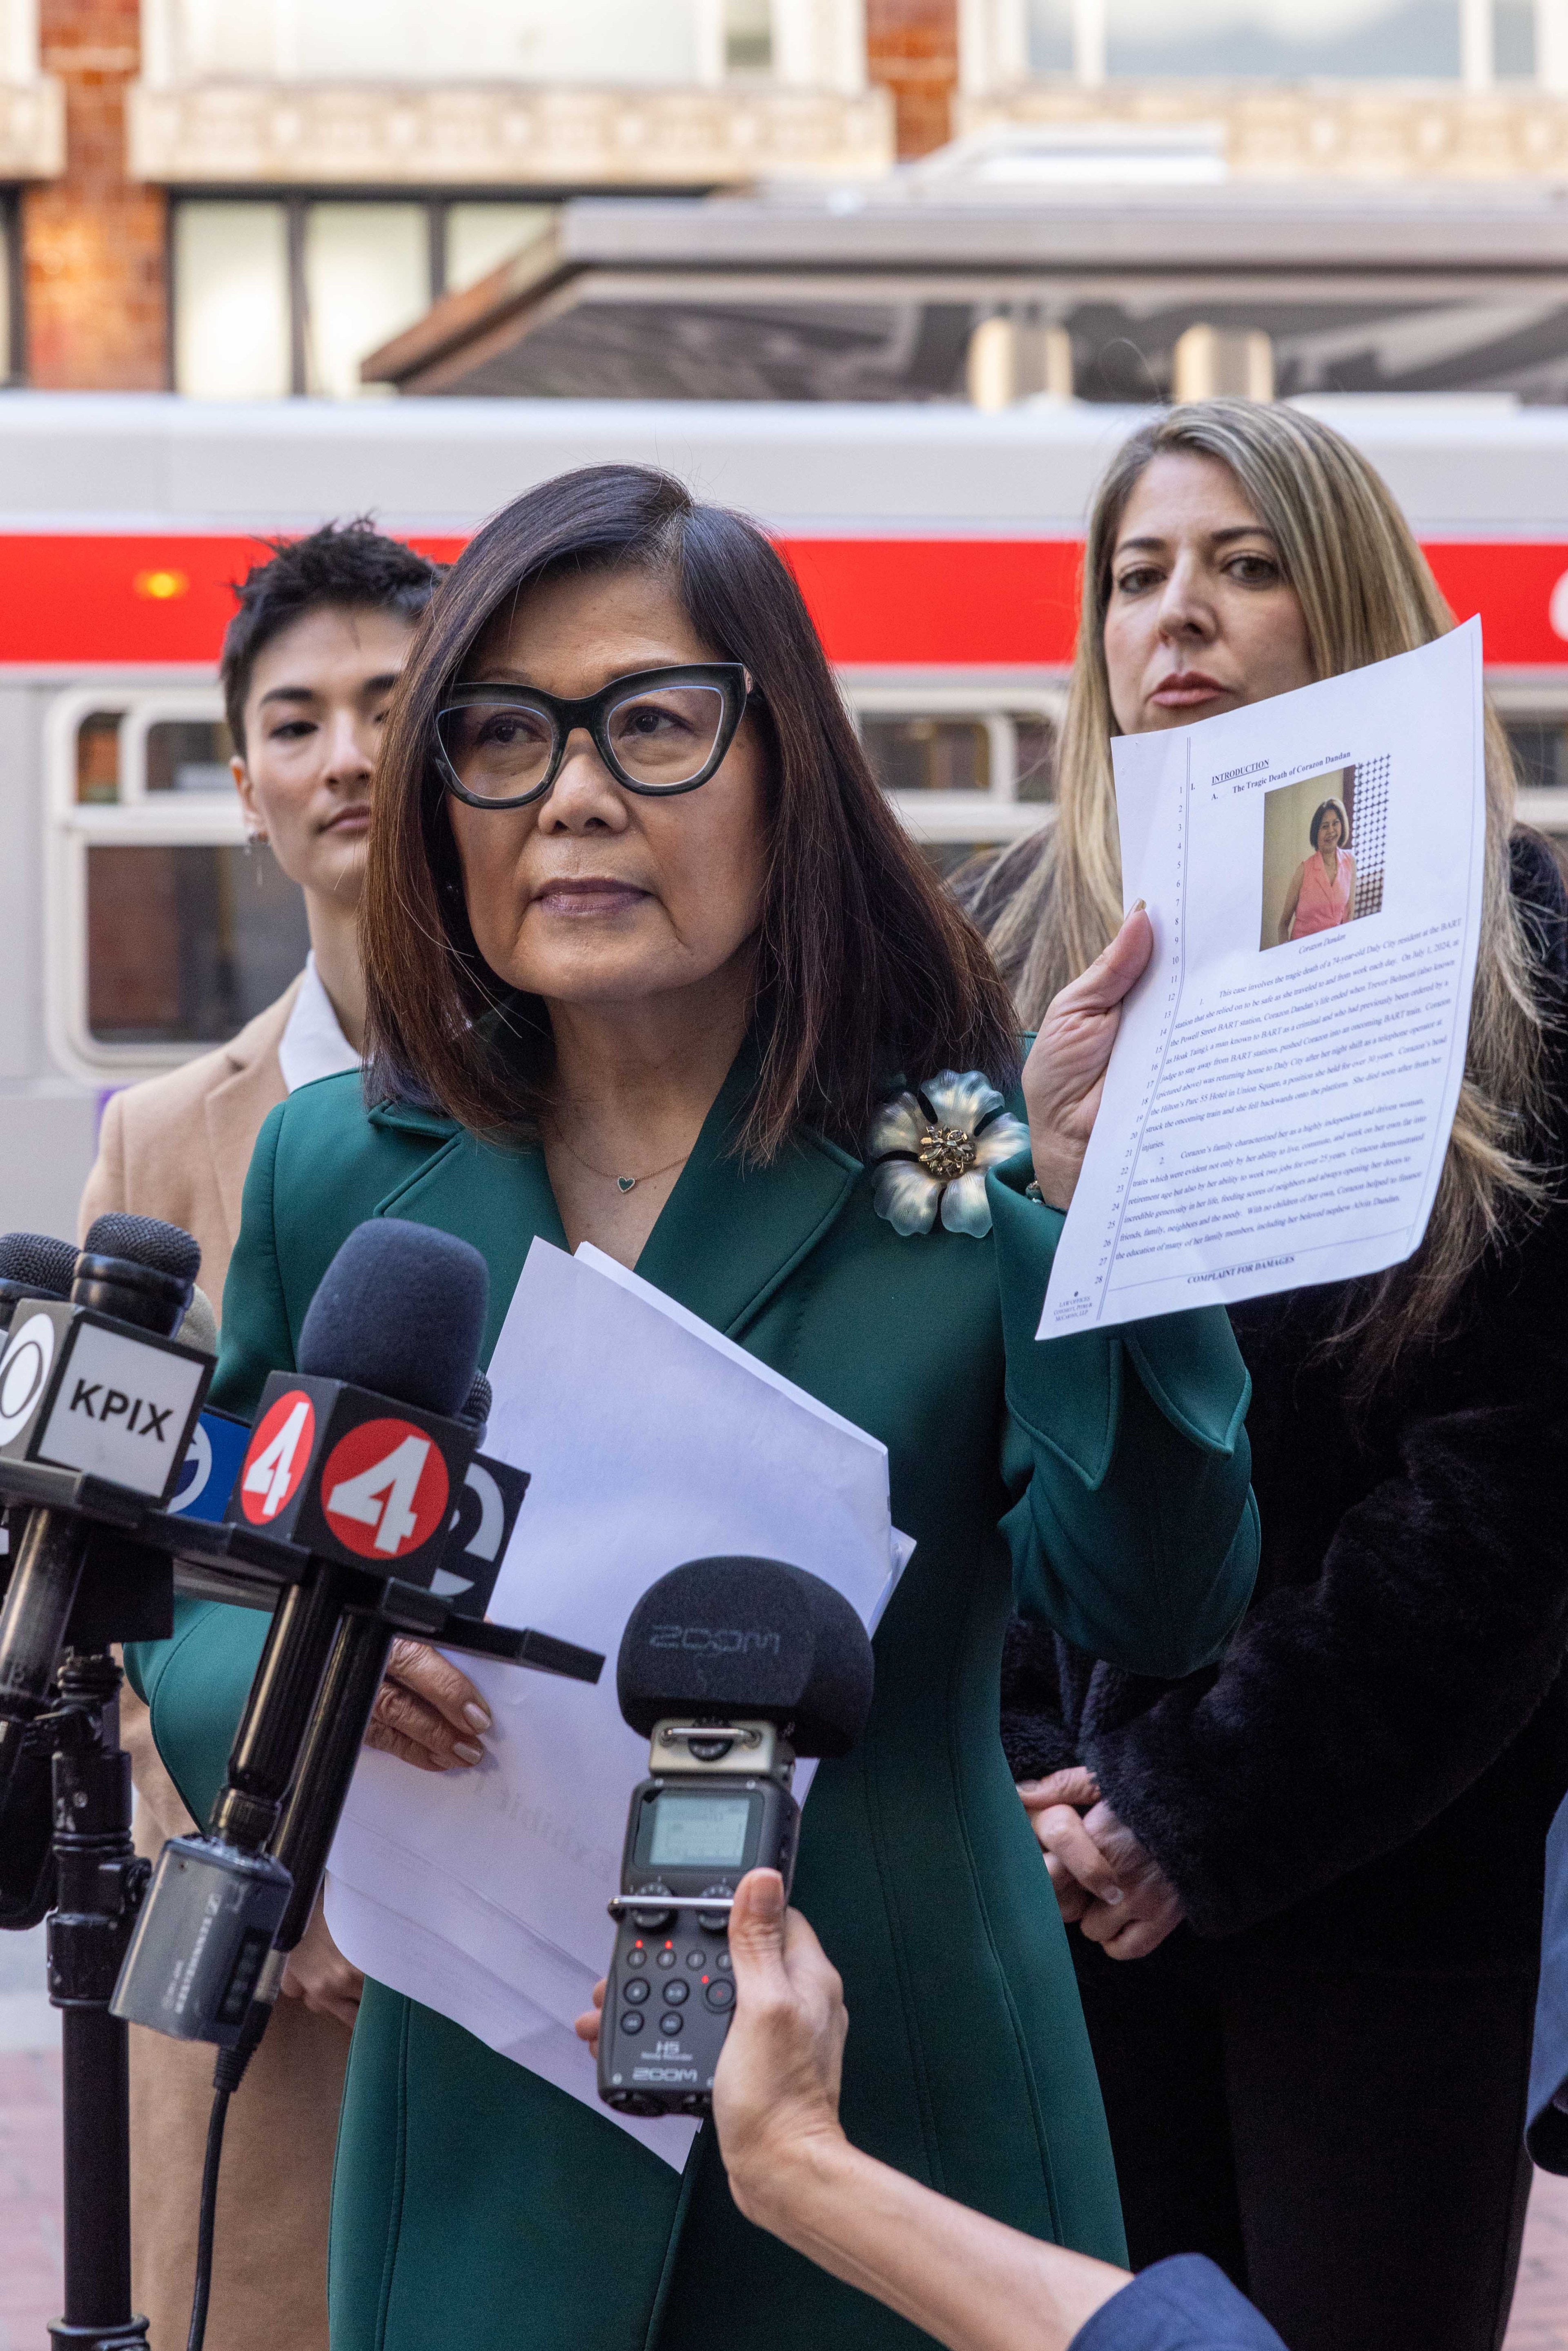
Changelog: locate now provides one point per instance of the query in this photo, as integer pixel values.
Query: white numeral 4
(384, 1493)
(270, 1473)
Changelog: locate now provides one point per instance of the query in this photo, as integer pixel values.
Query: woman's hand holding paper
(1065, 1073)
(426, 1712)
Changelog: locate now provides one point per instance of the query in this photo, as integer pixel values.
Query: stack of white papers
(1284, 1081)
(651, 1440)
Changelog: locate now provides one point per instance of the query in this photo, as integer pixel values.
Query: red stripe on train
(102, 599)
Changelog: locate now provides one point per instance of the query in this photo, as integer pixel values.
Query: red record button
(278, 1456)
(384, 1488)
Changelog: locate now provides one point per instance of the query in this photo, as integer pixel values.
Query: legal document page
(1279, 1102)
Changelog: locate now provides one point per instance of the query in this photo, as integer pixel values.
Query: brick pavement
(30, 2220)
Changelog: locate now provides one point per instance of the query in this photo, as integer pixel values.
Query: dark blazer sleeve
(1134, 1532)
(1185, 2304)
(1351, 1710)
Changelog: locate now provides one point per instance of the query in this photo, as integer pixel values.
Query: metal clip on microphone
(732, 1667)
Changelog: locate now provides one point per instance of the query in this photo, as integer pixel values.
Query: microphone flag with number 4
(351, 1477)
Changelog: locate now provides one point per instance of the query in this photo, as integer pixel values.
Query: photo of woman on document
(1321, 895)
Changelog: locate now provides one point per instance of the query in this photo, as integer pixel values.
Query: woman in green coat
(650, 964)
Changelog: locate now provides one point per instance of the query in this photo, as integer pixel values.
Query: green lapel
(729, 1234)
(496, 1198)
(726, 1240)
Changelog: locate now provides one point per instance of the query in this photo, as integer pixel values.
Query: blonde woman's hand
(427, 1712)
(1065, 1073)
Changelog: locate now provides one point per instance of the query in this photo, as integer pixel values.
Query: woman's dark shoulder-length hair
(865, 966)
(1319, 813)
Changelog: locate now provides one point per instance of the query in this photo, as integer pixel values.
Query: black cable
(227, 2075)
(199, 2300)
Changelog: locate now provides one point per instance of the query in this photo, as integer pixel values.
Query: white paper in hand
(650, 1439)
(1278, 1107)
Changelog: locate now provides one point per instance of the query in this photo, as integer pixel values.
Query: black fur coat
(1368, 1775)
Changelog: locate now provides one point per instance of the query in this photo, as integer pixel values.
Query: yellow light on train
(161, 587)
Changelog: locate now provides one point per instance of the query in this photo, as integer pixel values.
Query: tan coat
(178, 1147)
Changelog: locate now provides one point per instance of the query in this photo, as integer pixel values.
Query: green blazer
(1101, 1479)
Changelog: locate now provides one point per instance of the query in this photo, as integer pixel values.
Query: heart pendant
(625, 1183)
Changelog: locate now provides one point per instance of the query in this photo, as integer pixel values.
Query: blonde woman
(1308, 1879)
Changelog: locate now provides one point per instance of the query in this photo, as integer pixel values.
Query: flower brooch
(931, 1148)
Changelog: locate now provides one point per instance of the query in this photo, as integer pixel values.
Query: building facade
(245, 201)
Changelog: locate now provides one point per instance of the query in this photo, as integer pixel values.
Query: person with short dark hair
(650, 963)
(310, 658)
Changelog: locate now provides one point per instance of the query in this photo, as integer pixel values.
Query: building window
(1284, 39)
(288, 294)
(748, 37)
(479, 238)
(636, 41)
(367, 275)
(233, 336)
(1471, 42)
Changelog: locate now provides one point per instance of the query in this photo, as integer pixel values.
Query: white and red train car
(938, 548)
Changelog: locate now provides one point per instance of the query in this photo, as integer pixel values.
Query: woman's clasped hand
(1105, 1880)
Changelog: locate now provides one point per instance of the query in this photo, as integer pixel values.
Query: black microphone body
(98, 1385)
(96, 1401)
(733, 1667)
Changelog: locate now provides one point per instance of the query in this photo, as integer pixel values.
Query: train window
(1540, 747)
(1035, 758)
(928, 754)
(188, 754)
(98, 758)
(186, 941)
(964, 771)
(164, 937)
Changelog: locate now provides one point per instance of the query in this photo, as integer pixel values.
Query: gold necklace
(621, 1183)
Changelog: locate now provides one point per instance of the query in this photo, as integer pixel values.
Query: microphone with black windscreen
(95, 1385)
(731, 1667)
(33, 1265)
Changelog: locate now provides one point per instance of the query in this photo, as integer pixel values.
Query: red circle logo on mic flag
(384, 1488)
(278, 1456)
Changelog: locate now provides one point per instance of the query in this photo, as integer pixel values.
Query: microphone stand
(96, 1880)
(126, 1594)
(101, 1881)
